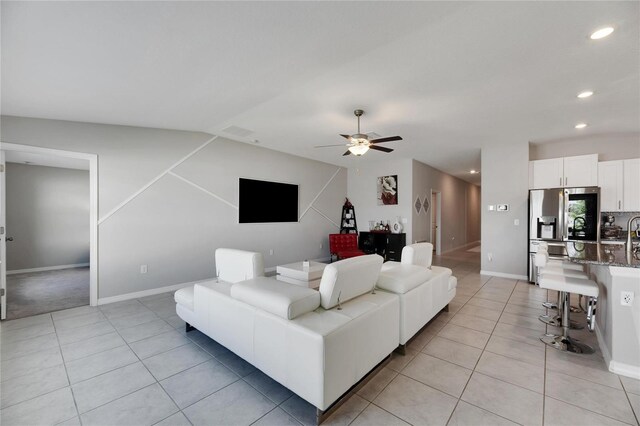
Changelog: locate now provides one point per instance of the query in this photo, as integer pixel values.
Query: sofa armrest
(285, 300)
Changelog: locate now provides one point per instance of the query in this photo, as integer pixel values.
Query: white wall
(175, 225)
(362, 190)
(47, 215)
(414, 179)
(505, 180)
(615, 146)
(460, 216)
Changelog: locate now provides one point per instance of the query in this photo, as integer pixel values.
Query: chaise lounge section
(424, 290)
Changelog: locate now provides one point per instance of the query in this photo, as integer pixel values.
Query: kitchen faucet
(629, 242)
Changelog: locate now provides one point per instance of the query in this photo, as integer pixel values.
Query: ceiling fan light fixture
(358, 149)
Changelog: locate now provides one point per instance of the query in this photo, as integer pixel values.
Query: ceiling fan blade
(326, 146)
(380, 148)
(346, 153)
(389, 139)
(346, 136)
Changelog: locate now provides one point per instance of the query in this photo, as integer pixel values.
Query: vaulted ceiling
(450, 77)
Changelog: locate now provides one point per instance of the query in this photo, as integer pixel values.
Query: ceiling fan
(360, 143)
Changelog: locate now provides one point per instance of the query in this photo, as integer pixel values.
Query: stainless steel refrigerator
(559, 215)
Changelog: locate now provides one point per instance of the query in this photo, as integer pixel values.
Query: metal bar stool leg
(564, 342)
(556, 320)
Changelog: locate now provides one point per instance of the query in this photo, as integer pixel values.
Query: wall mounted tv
(267, 202)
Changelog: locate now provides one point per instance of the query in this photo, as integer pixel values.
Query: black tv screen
(264, 202)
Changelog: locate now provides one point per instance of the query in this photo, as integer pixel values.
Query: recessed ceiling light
(601, 33)
(581, 125)
(473, 172)
(585, 94)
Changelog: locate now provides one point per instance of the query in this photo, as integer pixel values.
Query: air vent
(237, 131)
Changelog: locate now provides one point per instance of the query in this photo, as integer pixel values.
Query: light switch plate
(492, 207)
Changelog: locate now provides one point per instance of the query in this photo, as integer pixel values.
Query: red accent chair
(344, 246)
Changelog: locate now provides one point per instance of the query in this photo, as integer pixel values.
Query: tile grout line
(483, 349)
(64, 364)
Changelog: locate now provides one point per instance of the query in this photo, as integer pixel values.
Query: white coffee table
(294, 273)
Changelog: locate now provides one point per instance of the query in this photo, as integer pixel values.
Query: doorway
(436, 226)
(48, 230)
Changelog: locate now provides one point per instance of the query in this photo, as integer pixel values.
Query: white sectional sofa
(316, 343)
(424, 290)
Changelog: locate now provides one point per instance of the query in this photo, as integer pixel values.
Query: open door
(3, 242)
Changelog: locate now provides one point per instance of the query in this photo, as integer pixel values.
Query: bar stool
(570, 268)
(565, 286)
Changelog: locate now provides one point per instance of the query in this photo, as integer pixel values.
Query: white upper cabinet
(631, 186)
(546, 173)
(610, 181)
(581, 170)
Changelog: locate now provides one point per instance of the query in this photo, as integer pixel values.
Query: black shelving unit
(348, 223)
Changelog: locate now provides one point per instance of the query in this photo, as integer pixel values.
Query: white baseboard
(150, 292)
(503, 275)
(47, 268)
(620, 368)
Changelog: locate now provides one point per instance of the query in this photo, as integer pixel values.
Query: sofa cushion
(279, 298)
(348, 278)
(238, 265)
(401, 278)
(184, 297)
(420, 254)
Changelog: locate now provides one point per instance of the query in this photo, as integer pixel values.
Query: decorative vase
(396, 228)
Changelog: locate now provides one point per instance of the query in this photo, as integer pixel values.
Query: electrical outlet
(516, 222)
(143, 269)
(270, 252)
(626, 298)
(490, 257)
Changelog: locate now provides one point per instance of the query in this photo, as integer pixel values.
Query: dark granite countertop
(602, 254)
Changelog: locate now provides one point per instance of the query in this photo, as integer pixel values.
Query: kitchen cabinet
(610, 181)
(631, 185)
(547, 173)
(581, 170)
(619, 183)
(564, 172)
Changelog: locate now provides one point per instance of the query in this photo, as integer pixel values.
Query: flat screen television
(267, 202)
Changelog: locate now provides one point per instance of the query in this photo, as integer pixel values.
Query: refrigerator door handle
(563, 216)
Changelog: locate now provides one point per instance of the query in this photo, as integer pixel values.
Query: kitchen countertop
(602, 254)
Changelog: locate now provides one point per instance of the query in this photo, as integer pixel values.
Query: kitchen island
(617, 272)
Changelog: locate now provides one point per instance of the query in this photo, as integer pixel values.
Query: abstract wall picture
(425, 205)
(388, 190)
(418, 205)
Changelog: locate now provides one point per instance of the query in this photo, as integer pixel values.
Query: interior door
(3, 242)
(434, 223)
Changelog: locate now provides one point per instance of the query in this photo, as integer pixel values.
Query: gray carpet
(42, 292)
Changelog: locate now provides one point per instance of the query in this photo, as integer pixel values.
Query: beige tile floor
(481, 363)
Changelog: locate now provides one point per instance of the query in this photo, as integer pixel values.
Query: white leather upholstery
(184, 297)
(400, 278)
(238, 265)
(420, 254)
(279, 298)
(348, 278)
(419, 303)
(569, 284)
(560, 270)
(320, 354)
